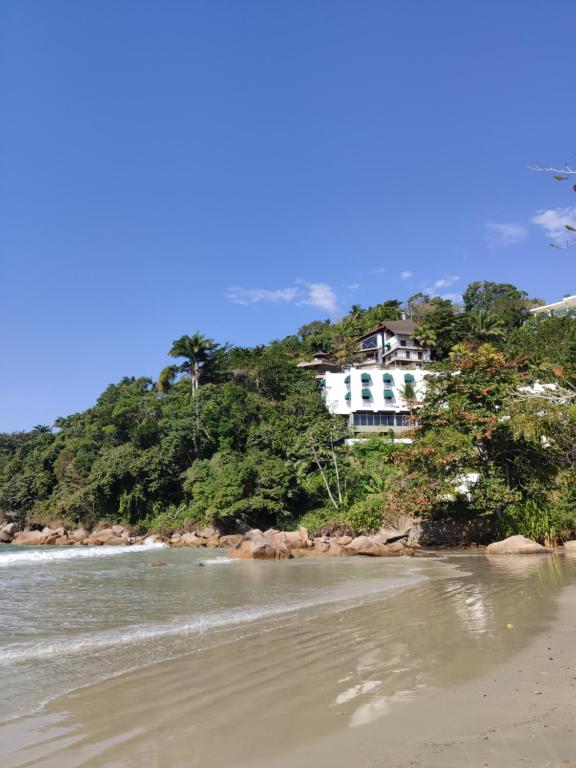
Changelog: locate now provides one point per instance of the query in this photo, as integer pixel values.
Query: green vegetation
(241, 435)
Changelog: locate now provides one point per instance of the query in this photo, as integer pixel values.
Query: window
(402, 342)
(419, 355)
(373, 419)
(408, 354)
(370, 343)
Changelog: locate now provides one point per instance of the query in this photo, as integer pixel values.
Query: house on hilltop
(392, 345)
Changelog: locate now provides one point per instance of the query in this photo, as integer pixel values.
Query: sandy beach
(521, 713)
(457, 660)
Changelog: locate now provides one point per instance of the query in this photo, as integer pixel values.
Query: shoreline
(429, 675)
(520, 713)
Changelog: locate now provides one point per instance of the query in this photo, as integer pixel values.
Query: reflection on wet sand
(261, 695)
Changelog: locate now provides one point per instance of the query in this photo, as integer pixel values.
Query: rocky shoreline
(254, 544)
(260, 545)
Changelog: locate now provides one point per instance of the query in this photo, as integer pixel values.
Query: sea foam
(72, 553)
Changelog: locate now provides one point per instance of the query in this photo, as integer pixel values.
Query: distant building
(566, 306)
(375, 400)
(392, 345)
(320, 363)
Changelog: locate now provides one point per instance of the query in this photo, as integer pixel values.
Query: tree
(484, 326)
(196, 350)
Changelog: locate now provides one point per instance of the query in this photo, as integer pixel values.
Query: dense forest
(241, 437)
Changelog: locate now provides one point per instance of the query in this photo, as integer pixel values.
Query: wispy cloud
(554, 221)
(255, 295)
(439, 285)
(351, 286)
(322, 296)
(504, 234)
(378, 270)
(406, 275)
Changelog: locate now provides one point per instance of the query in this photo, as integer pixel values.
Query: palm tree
(166, 379)
(196, 350)
(425, 336)
(484, 326)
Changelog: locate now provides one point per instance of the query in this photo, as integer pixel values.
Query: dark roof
(406, 327)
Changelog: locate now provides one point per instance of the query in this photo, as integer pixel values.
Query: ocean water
(107, 661)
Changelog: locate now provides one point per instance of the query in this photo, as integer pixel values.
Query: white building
(392, 344)
(375, 399)
(566, 306)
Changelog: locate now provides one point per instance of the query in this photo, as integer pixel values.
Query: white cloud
(322, 296)
(443, 282)
(352, 286)
(406, 275)
(504, 234)
(319, 295)
(553, 221)
(254, 295)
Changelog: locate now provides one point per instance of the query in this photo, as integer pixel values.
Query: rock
(175, 537)
(390, 535)
(79, 536)
(157, 563)
(192, 540)
(213, 542)
(119, 529)
(343, 540)
(231, 540)
(570, 545)
(105, 537)
(337, 550)
(516, 545)
(7, 533)
(322, 545)
(208, 532)
(30, 538)
(52, 537)
(259, 546)
(366, 545)
(63, 540)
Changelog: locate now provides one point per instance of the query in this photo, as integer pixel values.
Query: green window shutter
(388, 378)
(366, 394)
(348, 396)
(365, 377)
(388, 394)
(347, 379)
(409, 377)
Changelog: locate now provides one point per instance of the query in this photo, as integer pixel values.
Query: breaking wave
(49, 555)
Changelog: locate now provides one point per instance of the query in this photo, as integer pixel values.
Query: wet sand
(430, 675)
(521, 713)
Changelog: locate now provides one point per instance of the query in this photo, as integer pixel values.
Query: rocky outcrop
(30, 538)
(516, 545)
(107, 537)
(7, 533)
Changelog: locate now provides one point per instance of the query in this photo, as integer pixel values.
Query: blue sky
(244, 167)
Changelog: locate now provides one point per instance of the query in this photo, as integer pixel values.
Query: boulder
(105, 537)
(192, 540)
(52, 537)
(30, 538)
(63, 540)
(337, 550)
(79, 536)
(157, 563)
(343, 540)
(208, 532)
(231, 540)
(571, 545)
(259, 546)
(322, 545)
(367, 545)
(213, 542)
(119, 529)
(516, 545)
(7, 533)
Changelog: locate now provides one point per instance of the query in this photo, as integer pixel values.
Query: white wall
(335, 389)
